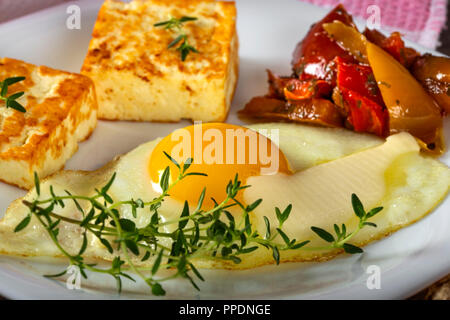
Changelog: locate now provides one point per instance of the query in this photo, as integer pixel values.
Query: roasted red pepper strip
(362, 98)
(358, 78)
(365, 115)
(314, 53)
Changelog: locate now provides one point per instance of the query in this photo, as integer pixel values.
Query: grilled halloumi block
(138, 77)
(61, 110)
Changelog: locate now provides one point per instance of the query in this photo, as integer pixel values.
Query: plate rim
(17, 292)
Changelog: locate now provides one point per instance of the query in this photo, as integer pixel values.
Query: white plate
(410, 259)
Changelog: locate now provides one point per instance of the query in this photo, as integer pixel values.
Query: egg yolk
(218, 150)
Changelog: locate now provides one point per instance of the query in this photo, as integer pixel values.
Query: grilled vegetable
(410, 108)
(394, 45)
(434, 74)
(317, 50)
(362, 81)
(314, 110)
(349, 38)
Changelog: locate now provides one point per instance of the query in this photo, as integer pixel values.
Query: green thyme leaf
(300, 245)
(23, 224)
(184, 214)
(325, 235)
(37, 184)
(55, 275)
(83, 245)
(186, 18)
(176, 40)
(127, 225)
(349, 248)
(196, 272)
(195, 174)
(16, 96)
(157, 262)
(13, 104)
(266, 221)
(249, 249)
(77, 204)
(254, 205)
(373, 212)
(276, 254)
(164, 182)
(4, 89)
(11, 101)
(107, 245)
(13, 80)
(357, 206)
(105, 189)
(235, 259)
(132, 246)
(370, 224)
(284, 236)
(146, 256)
(158, 290)
(182, 39)
(187, 164)
(172, 159)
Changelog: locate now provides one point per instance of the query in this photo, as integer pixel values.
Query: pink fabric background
(418, 20)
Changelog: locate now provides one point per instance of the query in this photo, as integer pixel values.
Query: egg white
(414, 184)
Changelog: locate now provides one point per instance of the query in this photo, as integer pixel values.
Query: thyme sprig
(342, 238)
(181, 40)
(11, 101)
(202, 234)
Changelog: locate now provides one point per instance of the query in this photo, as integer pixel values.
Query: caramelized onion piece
(410, 108)
(434, 74)
(315, 111)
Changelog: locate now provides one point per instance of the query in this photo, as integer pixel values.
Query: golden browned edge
(82, 172)
(234, 60)
(33, 152)
(61, 168)
(85, 68)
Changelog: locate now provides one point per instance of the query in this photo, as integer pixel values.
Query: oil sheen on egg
(319, 170)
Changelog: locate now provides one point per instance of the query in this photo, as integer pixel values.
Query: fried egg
(314, 169)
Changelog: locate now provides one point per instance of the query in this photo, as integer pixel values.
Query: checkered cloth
(418, 20)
